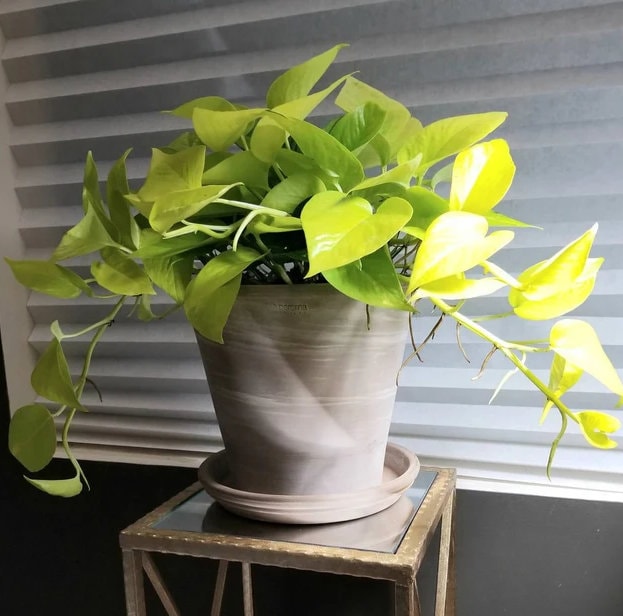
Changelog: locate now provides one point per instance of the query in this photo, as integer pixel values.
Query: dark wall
(517, 556)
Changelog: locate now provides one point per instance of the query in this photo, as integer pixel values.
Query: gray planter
(304, 390)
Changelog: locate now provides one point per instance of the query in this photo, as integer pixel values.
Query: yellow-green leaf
(563, 375)
(211, 295)
(51, 379)
(47, 277)
(454, 243)
(340, 229)
(121, 274)
(173, 207)
(170, 172)
(291, 192)
(298, 81)
(214, 103)
(172, 274)
(459, 287)
(596, 426)
(481, 176)
(449, 136)
(577, 342)
(221, 129)
(32, 436)
(372, 280)
(58, 487)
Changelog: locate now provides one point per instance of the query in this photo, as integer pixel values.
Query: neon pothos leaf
(340, 229)
(481, 176)
(221, 129)
(372, 280)
(298, 81)
(32, 436)
(170, 172)
(120, 214)
(172, 274)
(449, 136)
(454, 243)
(48, 277)
(559, 284)
(50, 377)
(121, 274)
(596, 426)
(325, 150)
(58, 487)
(459, 287)
(173, 207)
(576, 342)
(211, 295)
(292, 191)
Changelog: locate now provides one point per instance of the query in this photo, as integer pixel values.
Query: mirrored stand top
(381, 532)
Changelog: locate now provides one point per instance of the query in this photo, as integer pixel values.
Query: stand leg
(407, 600)
(219, 588)
(247, 589)
(445, 603)
(133, 581)
(159, 586)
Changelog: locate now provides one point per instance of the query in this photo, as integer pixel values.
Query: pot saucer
(401, 469)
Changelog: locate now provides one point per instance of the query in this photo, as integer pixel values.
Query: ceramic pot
(304, 389)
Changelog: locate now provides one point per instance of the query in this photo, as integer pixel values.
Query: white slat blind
(93, 75)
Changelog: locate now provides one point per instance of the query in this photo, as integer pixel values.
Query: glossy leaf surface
(596, 426)
(481, 176)
(454, 243)
(219, 130)
(47, 277)
(292, 191)
(340, 230)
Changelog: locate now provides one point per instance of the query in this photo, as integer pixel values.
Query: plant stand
(387, 548)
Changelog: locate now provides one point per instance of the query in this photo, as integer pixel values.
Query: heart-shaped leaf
(357, 128)
(173, 207)
(170, 172)
(454, 243)
(325, 150)
(481, 176)
(51, 379)
(32, 436)
(449, 136)
(371, 280)
(211, 295)
(340, 230)
(596, 426)
(291, 192)
(397, 124)
(48, 277)
(219, 130)
(121, 274)
(172, 274)
(298, 81)
(401, 174)
(89, 235)
(577, 342)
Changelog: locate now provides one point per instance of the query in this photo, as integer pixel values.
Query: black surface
(517, 555)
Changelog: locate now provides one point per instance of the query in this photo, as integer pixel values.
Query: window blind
(86, 75)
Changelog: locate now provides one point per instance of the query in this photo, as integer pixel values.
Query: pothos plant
(387, 211)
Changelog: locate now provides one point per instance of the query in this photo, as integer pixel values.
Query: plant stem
(506, 348)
